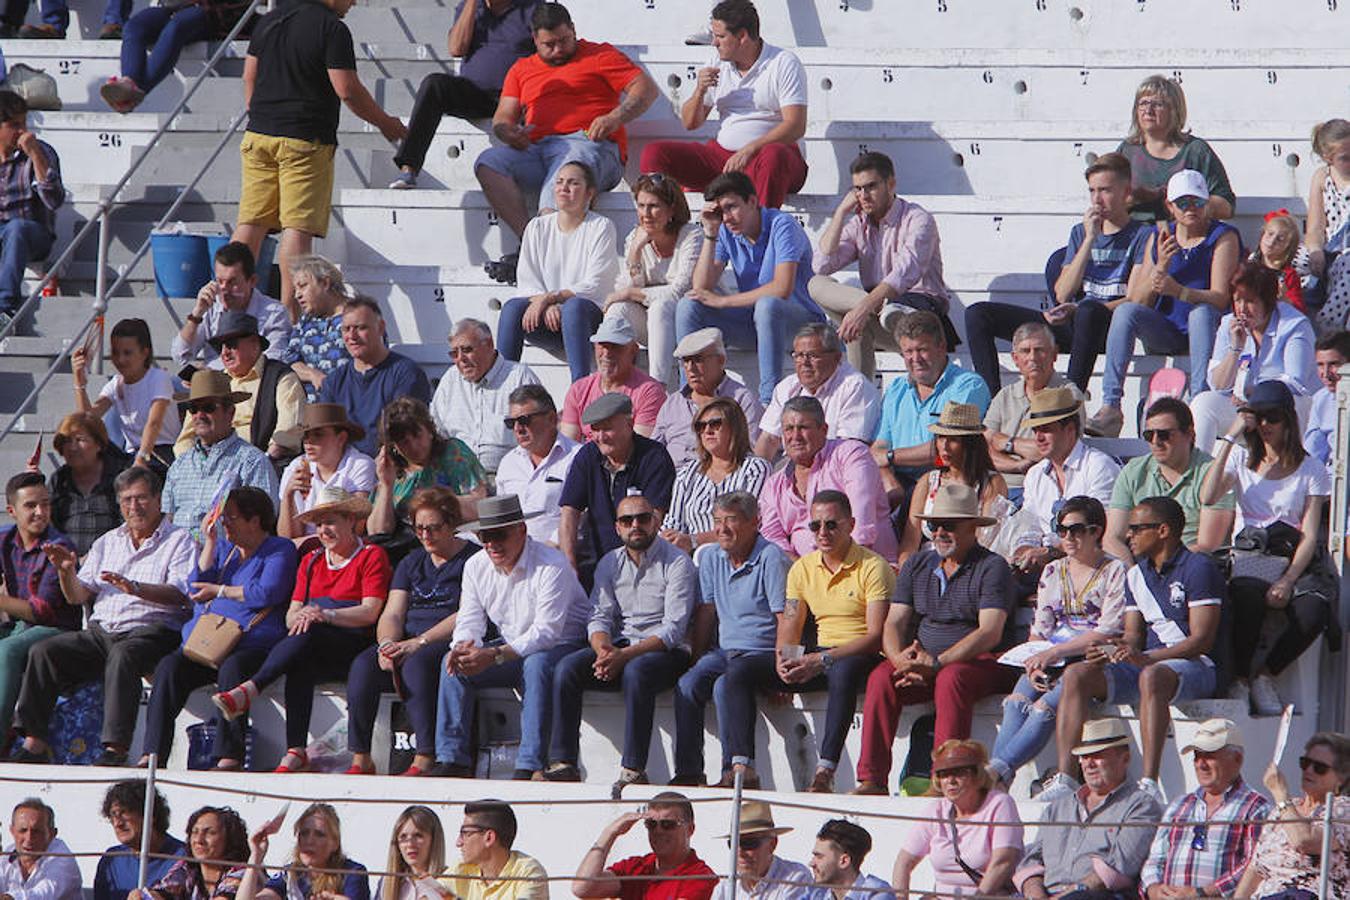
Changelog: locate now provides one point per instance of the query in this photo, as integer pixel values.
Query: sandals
(295, 760)
(234, 702)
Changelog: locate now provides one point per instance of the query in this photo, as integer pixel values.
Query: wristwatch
(826, 660)
(499, 657)
(194, 319)
(1009, 446)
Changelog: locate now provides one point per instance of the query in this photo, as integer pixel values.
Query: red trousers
(959, 686)
(777, 169)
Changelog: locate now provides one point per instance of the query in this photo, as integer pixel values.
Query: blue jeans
(580, 319)
(153, 39)
(535, 167)
(703, 681)
(1196, 680)
(768, 327)
(642, 679)
(21, 241)
(1160, 335)
(1028, 724)
(57, 12)
(532, 676)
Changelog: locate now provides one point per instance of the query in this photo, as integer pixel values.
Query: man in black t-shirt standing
(300, 64)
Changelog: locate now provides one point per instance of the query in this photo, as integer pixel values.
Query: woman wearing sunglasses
(1286, 864)
(413, 633)
(1262, 339)
(725, 463)
(961, 445)
(1080, 601)
(1281, 494)
(1177, 294)
(967, 854)
(657, 270)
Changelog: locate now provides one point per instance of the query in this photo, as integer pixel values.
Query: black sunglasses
(1318, 767)
(524, 419)
(751, 841)
(709, 425)
(1161, 434)
(828, 524)
(955, 772)
(947, 525)
(203, 406)
(493, 535)
(1076, 529)
(639, 518)
(1269, 417)
(1198, 840)
(1136, 527)
(663, 824)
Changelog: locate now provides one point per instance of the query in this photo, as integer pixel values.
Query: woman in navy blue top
(250, 571)
(413, 633)
(318, 845)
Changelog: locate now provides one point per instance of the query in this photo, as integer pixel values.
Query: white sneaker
(1153, 789)
(890, 316)
(1265, 698)
(1060, 786)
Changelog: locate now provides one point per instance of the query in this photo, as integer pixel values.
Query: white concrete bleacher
(990, 109)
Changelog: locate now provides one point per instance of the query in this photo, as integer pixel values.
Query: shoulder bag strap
(972, 873)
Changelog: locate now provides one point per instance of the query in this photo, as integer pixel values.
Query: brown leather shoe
(750, 782)
(822, 783)
(870, 789)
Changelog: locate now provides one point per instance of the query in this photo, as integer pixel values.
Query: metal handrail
(106, 204)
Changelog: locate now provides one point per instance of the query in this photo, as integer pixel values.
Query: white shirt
(132, 403)
(1087, 471)
(537, 605)
(473, 410)
(751, 105)
(167, 556)
(273, 323)
(664, 280)
(1264, 501)
(852, 404)
(53, 878)
(355, 473)
(585, 262)
(538, 487)
(798, 876)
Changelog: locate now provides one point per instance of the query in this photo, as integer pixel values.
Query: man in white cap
(763, 874)
(703, 358)
(1177, 295)
(1100, 855)
(616, 372)
(1208, 835)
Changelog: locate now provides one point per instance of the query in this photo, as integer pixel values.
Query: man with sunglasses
(531, 594)
(489, 868)
(761, 873)
(234, 288)
(948, 615)
(1208, 835)
(217, 455)
(669, 819)
(472, 397)
(534, 470)
(703, 359)
(1174, 467)
(846, 588)
(639, 641)
(1175, 648)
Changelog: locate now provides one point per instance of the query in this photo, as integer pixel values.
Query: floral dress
(317, 342)
(1098, 605)
(1283, 868)
(184, 882)
(456, 468)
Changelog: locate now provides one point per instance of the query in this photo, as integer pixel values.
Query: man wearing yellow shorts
(300, 64)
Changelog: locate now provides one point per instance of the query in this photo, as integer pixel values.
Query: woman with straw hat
(340, 591)
(330, 457)
(960, 443)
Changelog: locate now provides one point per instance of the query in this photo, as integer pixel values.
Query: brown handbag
(214, 637)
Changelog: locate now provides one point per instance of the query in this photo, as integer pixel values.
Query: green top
(1140, 479)
(456, 468)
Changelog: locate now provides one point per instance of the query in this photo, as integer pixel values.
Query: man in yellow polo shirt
(847, 589)
(489, 868)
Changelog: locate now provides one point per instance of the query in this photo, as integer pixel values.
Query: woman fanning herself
(318, 845)
(340, 590)
(1080, 601)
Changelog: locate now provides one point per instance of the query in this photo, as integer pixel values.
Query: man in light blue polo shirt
(903, 446)
(743, 581)
(770, 255)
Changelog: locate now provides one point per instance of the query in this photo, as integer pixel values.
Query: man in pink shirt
(895, 244)
(817, 463)
(616, 371)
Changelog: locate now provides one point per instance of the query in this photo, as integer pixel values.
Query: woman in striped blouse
(724, 464)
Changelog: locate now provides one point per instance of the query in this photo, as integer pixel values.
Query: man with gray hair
(473, 398)
(1012, 445)
(536, 467)
(851, 401)
(703, 357)
(743, 582)
(26, 872)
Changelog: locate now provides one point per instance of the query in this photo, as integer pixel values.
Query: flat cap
(606, 405)
(696, 342)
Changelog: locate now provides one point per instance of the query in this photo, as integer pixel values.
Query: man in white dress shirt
(852, 403)
(763, 874)
(25, 873)
(536, 467)
(472, 398)
(530, 592)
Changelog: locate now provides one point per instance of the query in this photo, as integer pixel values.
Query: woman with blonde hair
(315, 347)
(416, 857)
(1158, 146)
(1329, 222)
(318, 846)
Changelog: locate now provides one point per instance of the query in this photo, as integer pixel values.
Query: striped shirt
(167, 556)
(1200, 849)
(691, 504)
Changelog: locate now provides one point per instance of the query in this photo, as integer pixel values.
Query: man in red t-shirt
(670, 823)
(568, 93)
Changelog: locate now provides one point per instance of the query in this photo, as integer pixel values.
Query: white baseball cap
(1187, 183)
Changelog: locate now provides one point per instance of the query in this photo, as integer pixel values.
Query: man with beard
(948, 620)
(561, 104)
(616, 371)
(639, 641)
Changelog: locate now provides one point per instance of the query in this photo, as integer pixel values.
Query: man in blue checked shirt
(1212, 831)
